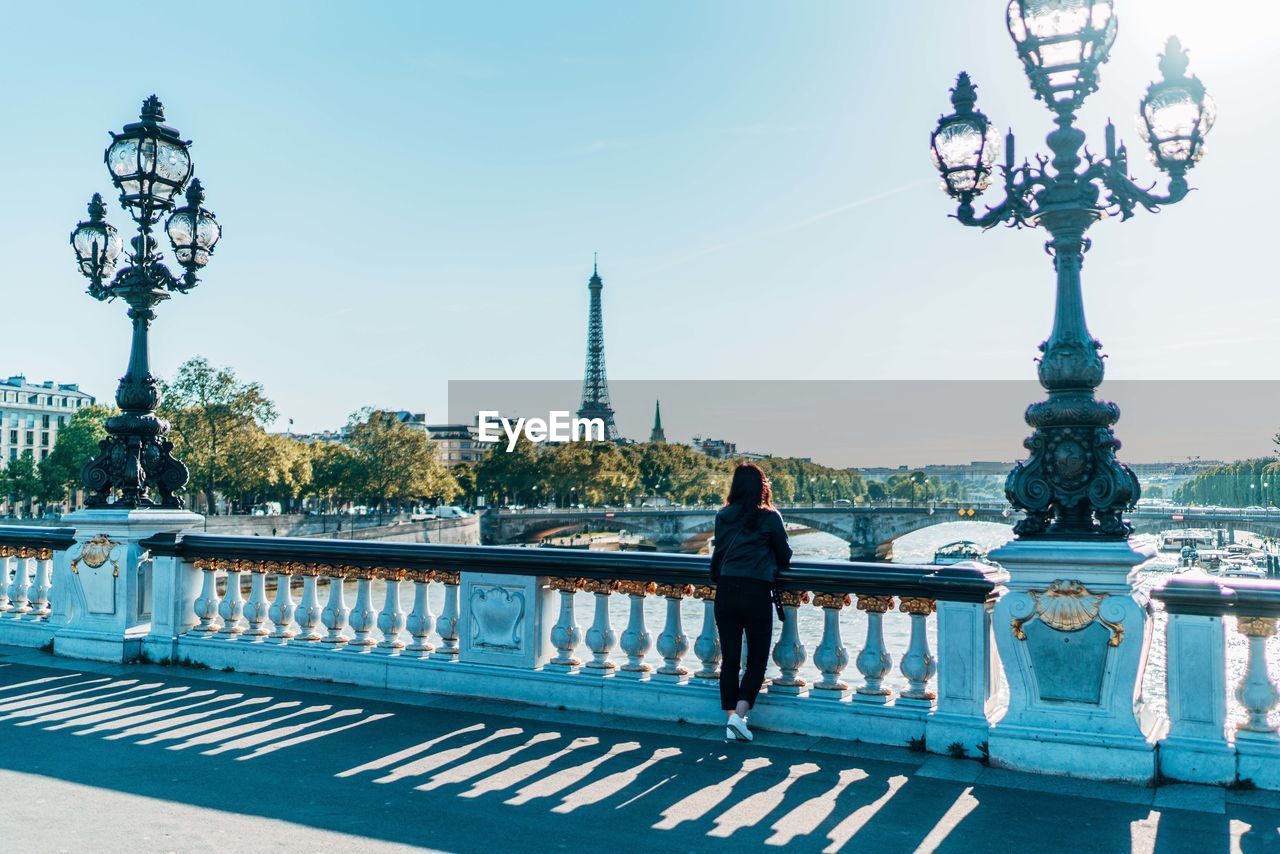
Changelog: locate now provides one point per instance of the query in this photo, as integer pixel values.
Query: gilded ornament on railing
(673, 591)
(421, 576)
(361, 573)
(45, 554)
(637, 588)
(95, 553)
(6, 551)
(875, 604)
(1068, 606)
(25, 552)
(391, 573)
(448, 576)
(705, 592)
(1256, 627)
(793, 598)
(298, 568)
(601, 585)
(832, 600)
(258, 567)
(567, 585)
(916, 605)
(274, 567)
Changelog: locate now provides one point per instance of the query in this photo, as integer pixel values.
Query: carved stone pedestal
(505, 619)
(102, 607)
(1073, 638)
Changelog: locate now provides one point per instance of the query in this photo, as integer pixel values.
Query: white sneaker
(737, 728)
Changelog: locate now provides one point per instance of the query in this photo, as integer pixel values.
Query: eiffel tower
(595, 386)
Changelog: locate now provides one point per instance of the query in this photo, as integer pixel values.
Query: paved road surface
(104, 758)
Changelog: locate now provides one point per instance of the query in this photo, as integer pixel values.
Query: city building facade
(33, 413)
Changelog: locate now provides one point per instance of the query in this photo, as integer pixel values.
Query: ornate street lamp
(1071, 486)
(150, 164)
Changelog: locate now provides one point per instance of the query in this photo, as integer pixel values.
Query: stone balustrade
(1203, 745)
(27, 593)
(511, 625)
(626, 633)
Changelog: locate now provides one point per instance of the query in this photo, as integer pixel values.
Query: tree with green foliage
(509, 477)
(77, 443)
(218, 423)
(21, 482)
(393, 462)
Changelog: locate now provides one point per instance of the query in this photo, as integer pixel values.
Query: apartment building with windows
(32, 413)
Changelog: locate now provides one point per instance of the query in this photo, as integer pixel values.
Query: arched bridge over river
(870, 530)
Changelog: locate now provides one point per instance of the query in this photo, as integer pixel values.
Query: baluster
(282, 607)
(874, 661)
(6, 569)
(565, 634)
(707, 645)
(601, 638)
(830, 656)
(206, 605)
(636, 640)
(1257, 693)
(363, 618)
(391, 619)
(334, 615)
(447, 625)
(21, 584)
(918, 665)
(257, 608)
(421, 621)
(673, 643)
(789, 653)
(231, 609)
(309, 611)
(43, 583)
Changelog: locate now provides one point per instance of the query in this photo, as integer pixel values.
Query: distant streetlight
(1072, 483)
(150, 165)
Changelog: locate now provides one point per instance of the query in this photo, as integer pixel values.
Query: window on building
(13, 453)
(31, 437)
(31, 421)
(62, 421)
(13, 437)
(44, 439)
(44, 454)
(44, 421)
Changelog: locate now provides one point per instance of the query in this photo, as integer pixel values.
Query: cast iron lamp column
(1071, 486)
(150, 164)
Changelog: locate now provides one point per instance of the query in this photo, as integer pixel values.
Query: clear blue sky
(411, 193)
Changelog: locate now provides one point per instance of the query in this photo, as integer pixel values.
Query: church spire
(657, 435)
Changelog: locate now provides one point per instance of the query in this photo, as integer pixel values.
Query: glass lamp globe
(149, 162)
(1061, 44)
(95, 242)
(964, 147)
(1176, 114)
(192, 230)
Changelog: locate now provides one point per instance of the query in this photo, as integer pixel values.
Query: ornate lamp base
(135, 458)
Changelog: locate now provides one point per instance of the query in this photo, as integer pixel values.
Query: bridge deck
(145, 758)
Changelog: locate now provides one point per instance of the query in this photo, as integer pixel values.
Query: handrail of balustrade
(35, 537)
(1213, 597)
(947, 583)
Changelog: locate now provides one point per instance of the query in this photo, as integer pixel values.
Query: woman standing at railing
(751, 546)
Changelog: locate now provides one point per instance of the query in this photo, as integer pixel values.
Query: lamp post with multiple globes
(1071, 486)
(150, 164)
